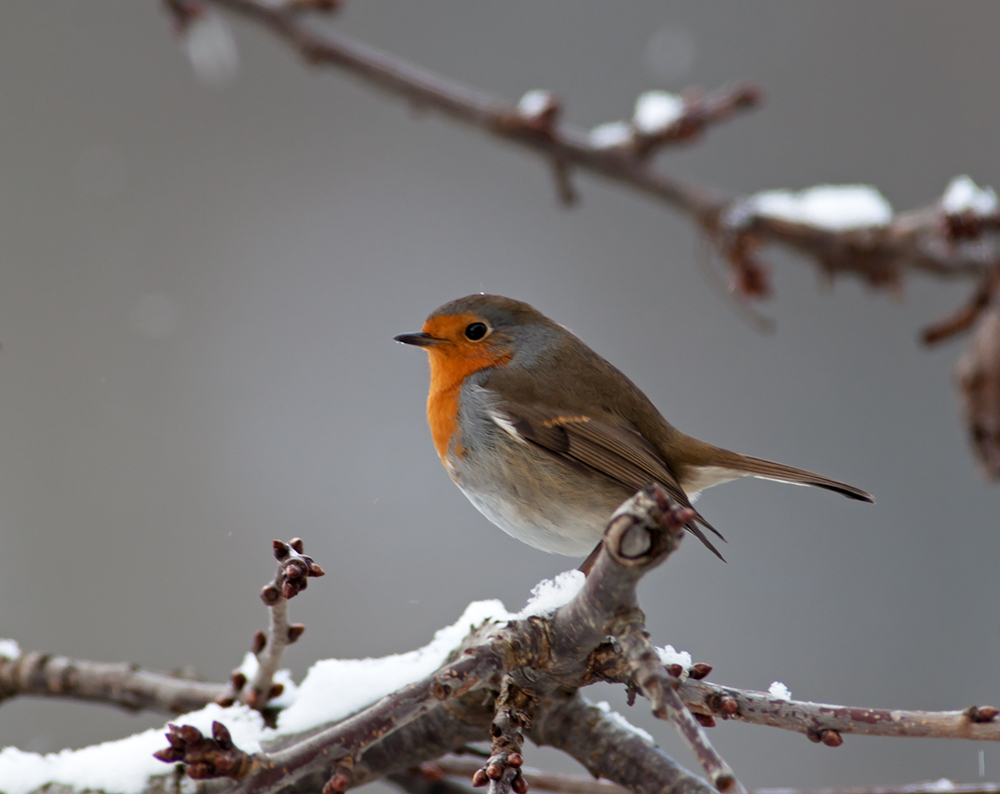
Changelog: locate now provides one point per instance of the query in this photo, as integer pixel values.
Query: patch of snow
(123, 766)
(779, 690)
(941, 785)
(833, 207)
(611, 135)
(9, 649)
(657, 110)
(550, 594)
(210, 47)
(335, 688)
(535, 102)
(668, 655)
(621, 722)
(290, 689)
(963, 194)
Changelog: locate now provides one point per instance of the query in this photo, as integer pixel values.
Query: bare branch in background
(978, 379)
(954, 237)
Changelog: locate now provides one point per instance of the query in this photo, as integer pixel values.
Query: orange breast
(448, 372)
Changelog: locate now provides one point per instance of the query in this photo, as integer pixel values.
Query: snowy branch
(946, 239)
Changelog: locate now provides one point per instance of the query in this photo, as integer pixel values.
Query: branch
(504, 672)
(291, 578)
(608, 749)
(977, 377)
(120, 684)
(825, 722)
(493, 116)
(929, 240)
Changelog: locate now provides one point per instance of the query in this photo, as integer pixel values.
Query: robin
(546, 438)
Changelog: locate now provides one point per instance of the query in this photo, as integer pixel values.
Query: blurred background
(199, 286)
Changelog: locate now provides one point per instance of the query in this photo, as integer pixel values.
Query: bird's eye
(476, 331)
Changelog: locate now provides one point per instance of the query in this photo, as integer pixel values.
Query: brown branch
(609, 750)
(925, 240)
(120, 684)
(660, 688)
(291, 578)
(502, 769)
(981, 299)
(488, 114)
(977, 377)
(817, 720)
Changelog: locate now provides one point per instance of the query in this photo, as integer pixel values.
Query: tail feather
(744, 465)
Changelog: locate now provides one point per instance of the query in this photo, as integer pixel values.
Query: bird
(546, 438)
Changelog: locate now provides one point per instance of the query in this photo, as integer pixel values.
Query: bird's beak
(420, 340)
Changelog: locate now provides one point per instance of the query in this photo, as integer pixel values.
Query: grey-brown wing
(616, 451)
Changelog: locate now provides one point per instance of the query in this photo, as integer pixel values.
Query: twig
(981, 299)
(502, 769)
(660, 688)
(977, 377)
(819, 721)
(291, 578)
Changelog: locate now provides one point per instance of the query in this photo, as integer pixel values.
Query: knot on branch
(982, 714)
(647, 528)
(827, 736)
(205, 758)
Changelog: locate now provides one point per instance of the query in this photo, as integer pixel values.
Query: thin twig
(979, 723)
(660, 688)
(291, 577)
